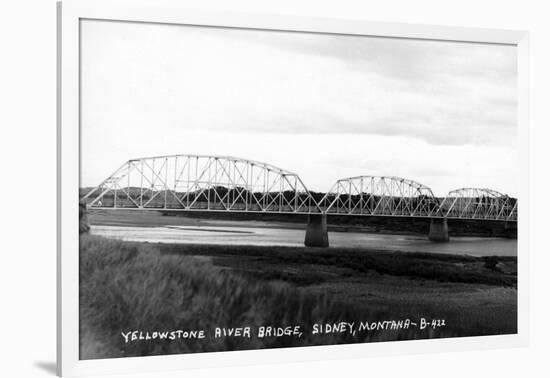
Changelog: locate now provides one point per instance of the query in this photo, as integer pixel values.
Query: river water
(265, 236)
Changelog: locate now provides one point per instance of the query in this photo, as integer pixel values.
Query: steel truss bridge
(230, 184)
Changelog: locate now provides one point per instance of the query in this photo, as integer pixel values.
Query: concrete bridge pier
(316, 232)
(83, 226)
(439, 230)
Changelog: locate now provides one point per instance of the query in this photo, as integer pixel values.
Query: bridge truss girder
(225, 183)
(379, 196)
(478, 203)
(197, 182)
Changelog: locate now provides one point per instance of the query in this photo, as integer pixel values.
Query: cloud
(149, 89)
(258, 81)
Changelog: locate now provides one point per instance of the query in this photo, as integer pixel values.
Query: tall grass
(131, 286)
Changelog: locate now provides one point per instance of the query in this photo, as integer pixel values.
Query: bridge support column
(439, 230)
(83, 226)
(316, 232)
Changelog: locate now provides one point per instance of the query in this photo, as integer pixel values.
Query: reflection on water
(295, 237)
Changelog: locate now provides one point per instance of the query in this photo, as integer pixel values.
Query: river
(264, 236)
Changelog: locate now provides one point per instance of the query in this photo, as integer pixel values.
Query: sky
(323, 106)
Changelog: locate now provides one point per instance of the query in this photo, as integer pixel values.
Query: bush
(491, 262)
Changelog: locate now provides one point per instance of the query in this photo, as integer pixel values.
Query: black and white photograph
(246, 189)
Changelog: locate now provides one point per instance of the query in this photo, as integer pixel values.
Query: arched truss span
(199, 182)
(478, 203)
(226, 183)
(379, 196)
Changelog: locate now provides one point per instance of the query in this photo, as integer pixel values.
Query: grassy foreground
(138, 286)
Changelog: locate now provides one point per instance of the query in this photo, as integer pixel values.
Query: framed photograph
(267, 188)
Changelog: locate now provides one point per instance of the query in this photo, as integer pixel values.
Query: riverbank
(126, 286)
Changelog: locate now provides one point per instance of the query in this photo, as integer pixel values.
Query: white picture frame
(70, 13)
